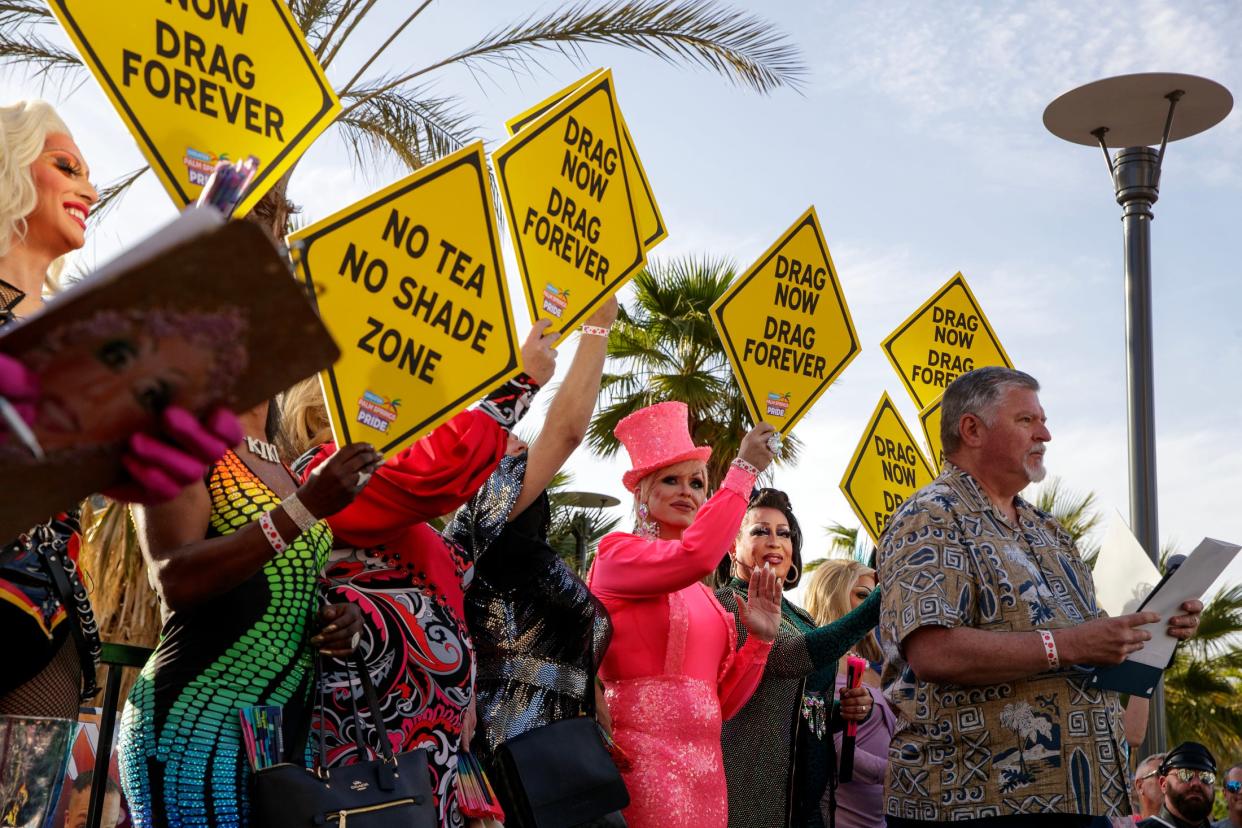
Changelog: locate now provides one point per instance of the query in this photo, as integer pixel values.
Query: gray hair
(977, 392)
(1155, 758)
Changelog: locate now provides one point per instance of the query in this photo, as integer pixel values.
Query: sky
(917, 135)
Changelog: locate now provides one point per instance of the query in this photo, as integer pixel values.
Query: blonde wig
(828, 598)
(24, 127)
(303, 419)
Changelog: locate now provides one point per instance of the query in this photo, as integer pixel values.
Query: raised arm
(570, 411)
(629, 566)
(187, 568)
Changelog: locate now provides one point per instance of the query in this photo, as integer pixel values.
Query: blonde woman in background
(833, 590)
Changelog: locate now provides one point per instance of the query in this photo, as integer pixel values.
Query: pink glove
(19, 386)
(160, 467)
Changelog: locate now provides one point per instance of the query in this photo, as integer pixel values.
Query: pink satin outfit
(673, 673)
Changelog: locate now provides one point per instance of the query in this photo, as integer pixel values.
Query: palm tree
(1077, 513)
(663, 346)
(566, 519)
(391, 114)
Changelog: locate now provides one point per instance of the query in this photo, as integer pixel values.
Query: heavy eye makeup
(759, 531)
(117, 354)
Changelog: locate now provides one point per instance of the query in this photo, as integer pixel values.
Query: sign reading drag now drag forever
(565, 189)
(785, 326)
(202, 81)
(409, 282)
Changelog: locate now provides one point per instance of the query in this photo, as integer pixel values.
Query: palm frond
(396, 33)
(743, 48)
(355, 13)
(39, 55)
(15, 13)
(409, 125)
(111, 193)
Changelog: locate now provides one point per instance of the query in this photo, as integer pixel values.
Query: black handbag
(560, 775)
(391, 791)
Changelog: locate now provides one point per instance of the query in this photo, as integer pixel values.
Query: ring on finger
(353, 642)
(363, 477)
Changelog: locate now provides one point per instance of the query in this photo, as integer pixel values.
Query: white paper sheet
(1123, 573)
(1191, 580)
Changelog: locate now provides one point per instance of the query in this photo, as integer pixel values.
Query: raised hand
(538, 355)
(333, 485)
(754, 449)
(761, 611)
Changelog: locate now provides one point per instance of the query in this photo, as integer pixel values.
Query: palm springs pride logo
(376, 411)
(777, 404)
(555, 300)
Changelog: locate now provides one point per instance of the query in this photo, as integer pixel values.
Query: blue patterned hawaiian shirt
(1047, 743)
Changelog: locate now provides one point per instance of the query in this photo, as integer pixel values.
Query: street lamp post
(1135, 111)
(588, 506)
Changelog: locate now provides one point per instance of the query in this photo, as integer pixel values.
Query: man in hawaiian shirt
(988, 621)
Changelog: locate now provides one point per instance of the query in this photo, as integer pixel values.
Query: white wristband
(1050, 649)
(298, 513)
(593, 330)
(272, 534)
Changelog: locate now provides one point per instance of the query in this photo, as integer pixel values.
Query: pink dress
(673, 673)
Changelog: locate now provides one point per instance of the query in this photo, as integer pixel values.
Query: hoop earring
(646, 527)
(793, 569)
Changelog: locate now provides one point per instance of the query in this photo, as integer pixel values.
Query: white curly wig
(24, 127)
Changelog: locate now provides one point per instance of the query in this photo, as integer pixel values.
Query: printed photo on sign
(203, 81)
(946, 337)
(565, 189)
(409, 281)
(887, 467)
(786, 327)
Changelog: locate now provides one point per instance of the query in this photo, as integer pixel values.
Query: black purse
(392, 791)
(559, 775)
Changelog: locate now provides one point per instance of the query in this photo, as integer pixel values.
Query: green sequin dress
(182, 760)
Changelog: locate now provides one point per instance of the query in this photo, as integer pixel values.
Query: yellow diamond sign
(785, 326)
(409, 282)
(651, 228)
(930, 419)
(887, 467)
(948, 335)
(200, 81)
(566, 193)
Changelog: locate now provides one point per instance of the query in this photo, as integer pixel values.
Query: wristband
(744, 466)
(299, 514)
(270, 532)
(595, 330)
(1050, 649)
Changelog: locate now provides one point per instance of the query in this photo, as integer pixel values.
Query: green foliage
(1077, 513)
(565, 519)
(391, 115)
(663, 347)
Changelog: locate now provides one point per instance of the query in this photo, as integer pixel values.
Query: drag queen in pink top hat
(673, 672)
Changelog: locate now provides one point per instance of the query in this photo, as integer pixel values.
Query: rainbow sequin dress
(182, 760)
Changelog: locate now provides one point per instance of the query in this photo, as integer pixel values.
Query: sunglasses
(1233, 786)
(1187, 775)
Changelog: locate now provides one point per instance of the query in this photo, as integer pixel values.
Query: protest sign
(566, 192)
(887, 467)
(409, 280)
(199, 314)
(201, 81)
(947, 336)
(651, 228)
(785, 326)
(929, 418)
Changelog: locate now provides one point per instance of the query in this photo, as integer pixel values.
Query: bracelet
(298, 513)
(272, 534)
(744, 466)
(595, 330)
(1050, 649)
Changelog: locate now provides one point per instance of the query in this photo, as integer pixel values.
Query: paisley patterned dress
(410, 584)
(181, 755)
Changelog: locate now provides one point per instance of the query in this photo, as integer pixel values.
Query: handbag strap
(45, 547)
(377, 717)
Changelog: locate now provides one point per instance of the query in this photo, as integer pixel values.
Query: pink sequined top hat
(656, 437)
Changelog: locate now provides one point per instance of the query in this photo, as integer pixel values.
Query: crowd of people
(284, 564)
